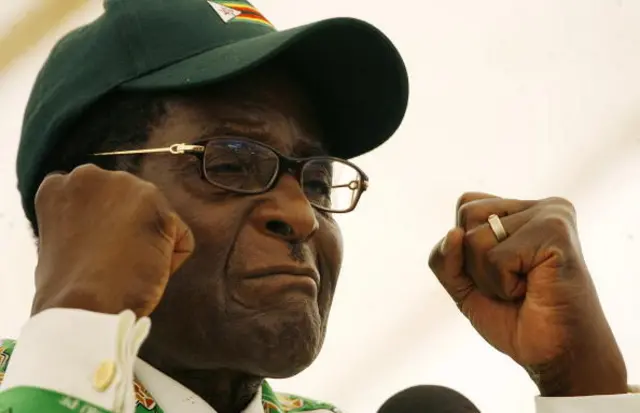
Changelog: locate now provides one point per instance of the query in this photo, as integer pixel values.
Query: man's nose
(287, 213)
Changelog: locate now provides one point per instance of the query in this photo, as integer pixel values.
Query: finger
(51, 183)
(466, 198)
(492, 279)
(547, 240)
(446, 262)
(483, 238)
(184, 243)
(472, 196)
(477, 212)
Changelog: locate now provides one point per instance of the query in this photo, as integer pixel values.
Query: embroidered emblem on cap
(238, 11)
(226, 13)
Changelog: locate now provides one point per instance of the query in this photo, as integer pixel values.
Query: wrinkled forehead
(268, 104)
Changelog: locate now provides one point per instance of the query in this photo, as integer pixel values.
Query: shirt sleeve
(619, 403)
(74, 357)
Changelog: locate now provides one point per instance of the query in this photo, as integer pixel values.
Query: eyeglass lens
(248, 167)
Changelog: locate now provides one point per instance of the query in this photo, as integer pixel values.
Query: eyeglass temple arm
(353, 185)
(176, 149)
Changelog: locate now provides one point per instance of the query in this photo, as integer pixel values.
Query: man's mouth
(284, 272)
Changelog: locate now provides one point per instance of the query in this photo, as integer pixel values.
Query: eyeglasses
(245, 166)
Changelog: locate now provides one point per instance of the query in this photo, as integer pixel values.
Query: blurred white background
(519, 98)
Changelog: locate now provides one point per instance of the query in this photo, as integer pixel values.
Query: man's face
(212, 315)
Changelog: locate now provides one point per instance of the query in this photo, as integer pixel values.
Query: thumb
(447, 263)
(184, 243)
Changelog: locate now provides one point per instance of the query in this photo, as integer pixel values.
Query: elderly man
(181, 162)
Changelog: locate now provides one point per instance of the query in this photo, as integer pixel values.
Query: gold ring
(497, 227)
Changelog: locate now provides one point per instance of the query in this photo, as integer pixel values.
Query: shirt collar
(173, 397)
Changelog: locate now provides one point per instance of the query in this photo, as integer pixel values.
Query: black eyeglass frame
(286, 164)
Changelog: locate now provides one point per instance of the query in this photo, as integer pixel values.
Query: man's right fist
(108, 241)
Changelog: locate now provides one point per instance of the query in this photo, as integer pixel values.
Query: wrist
(600, 374)
(75, 299)
(572, 387)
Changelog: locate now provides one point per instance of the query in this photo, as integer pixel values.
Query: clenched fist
(530, 295)
(108, 242)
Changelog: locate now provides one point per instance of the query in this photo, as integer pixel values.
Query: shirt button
(104, 375)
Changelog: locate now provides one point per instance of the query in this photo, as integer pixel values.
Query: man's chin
(286, 340)
(278, 340)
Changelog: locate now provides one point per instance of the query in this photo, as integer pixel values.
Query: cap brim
(355, 76)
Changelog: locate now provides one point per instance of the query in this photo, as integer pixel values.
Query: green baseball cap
(352, 72)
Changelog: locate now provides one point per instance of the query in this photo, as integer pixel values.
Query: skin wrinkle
(213, 332)
(296, 252)
(248, 212)
(203, 336)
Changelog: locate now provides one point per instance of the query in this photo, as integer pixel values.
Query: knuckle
(120, 174)
(161, 218)
(472, 196)
(559, 215)
(163, 224)
(137, 188)
(561, 202)
(558, 224)
(560, 255)
(475, 209)
(478, 238)
(131, 186)
(85, 170)
(497, 256)
(51, 180)
(465, 212)
(190, 239)
(126, 182)
(180, 224)
(500, 282)
(151, 194)
(125, 176)
(147, 187)
(464, 199)
(83, 175)
(49, 184)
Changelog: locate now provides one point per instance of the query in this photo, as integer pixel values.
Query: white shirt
(93, 357)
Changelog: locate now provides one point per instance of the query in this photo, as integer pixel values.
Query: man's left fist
(530, 294)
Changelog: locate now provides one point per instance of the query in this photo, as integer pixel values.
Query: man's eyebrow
(255, 129)
(243, 128)
(305, 148)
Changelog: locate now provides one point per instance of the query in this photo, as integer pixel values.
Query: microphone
(428, 399)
